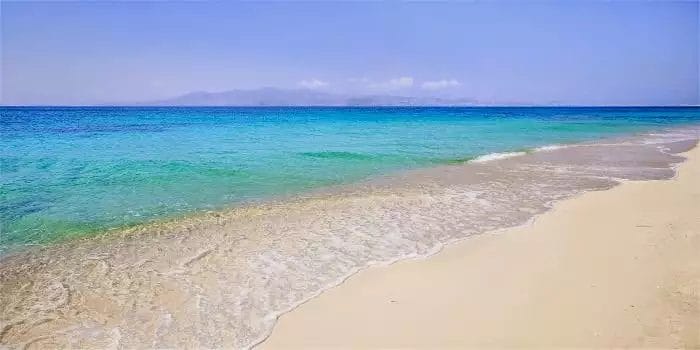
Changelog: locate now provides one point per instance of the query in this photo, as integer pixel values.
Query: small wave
(496, 156)
(550, 148)
(503, 155)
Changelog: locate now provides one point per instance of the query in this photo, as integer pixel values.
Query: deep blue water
(79, 170)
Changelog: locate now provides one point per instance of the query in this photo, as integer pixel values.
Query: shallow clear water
(72, 171)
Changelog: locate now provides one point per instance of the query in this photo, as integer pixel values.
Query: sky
(537, 53)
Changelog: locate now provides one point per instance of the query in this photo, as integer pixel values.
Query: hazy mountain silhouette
(299, 97)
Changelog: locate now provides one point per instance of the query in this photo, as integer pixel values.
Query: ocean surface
(77, 171)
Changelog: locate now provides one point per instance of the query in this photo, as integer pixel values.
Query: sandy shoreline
(615, 268)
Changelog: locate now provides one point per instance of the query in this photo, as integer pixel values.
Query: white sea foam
(550, 148)
(496, 156)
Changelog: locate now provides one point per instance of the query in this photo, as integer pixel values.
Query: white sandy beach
(615, 268)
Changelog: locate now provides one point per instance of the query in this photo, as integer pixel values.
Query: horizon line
(357, 106)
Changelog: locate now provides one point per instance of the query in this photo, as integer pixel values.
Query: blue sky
(586, 53)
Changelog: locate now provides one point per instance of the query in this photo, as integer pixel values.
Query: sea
(75, 171)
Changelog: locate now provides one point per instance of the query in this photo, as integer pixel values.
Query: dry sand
(616, 268)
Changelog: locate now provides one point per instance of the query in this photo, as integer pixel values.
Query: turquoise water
(73, 171)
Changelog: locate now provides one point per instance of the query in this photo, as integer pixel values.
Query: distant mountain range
(299, 97)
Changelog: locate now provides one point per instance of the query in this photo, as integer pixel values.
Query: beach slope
(614, 268)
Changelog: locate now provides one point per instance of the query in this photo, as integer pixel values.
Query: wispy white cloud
(313, 84)
(440, 84)
(393, 84)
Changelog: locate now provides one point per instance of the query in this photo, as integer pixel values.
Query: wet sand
(614, 268)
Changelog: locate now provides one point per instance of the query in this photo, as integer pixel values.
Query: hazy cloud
(440, 84)
(313, 84)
